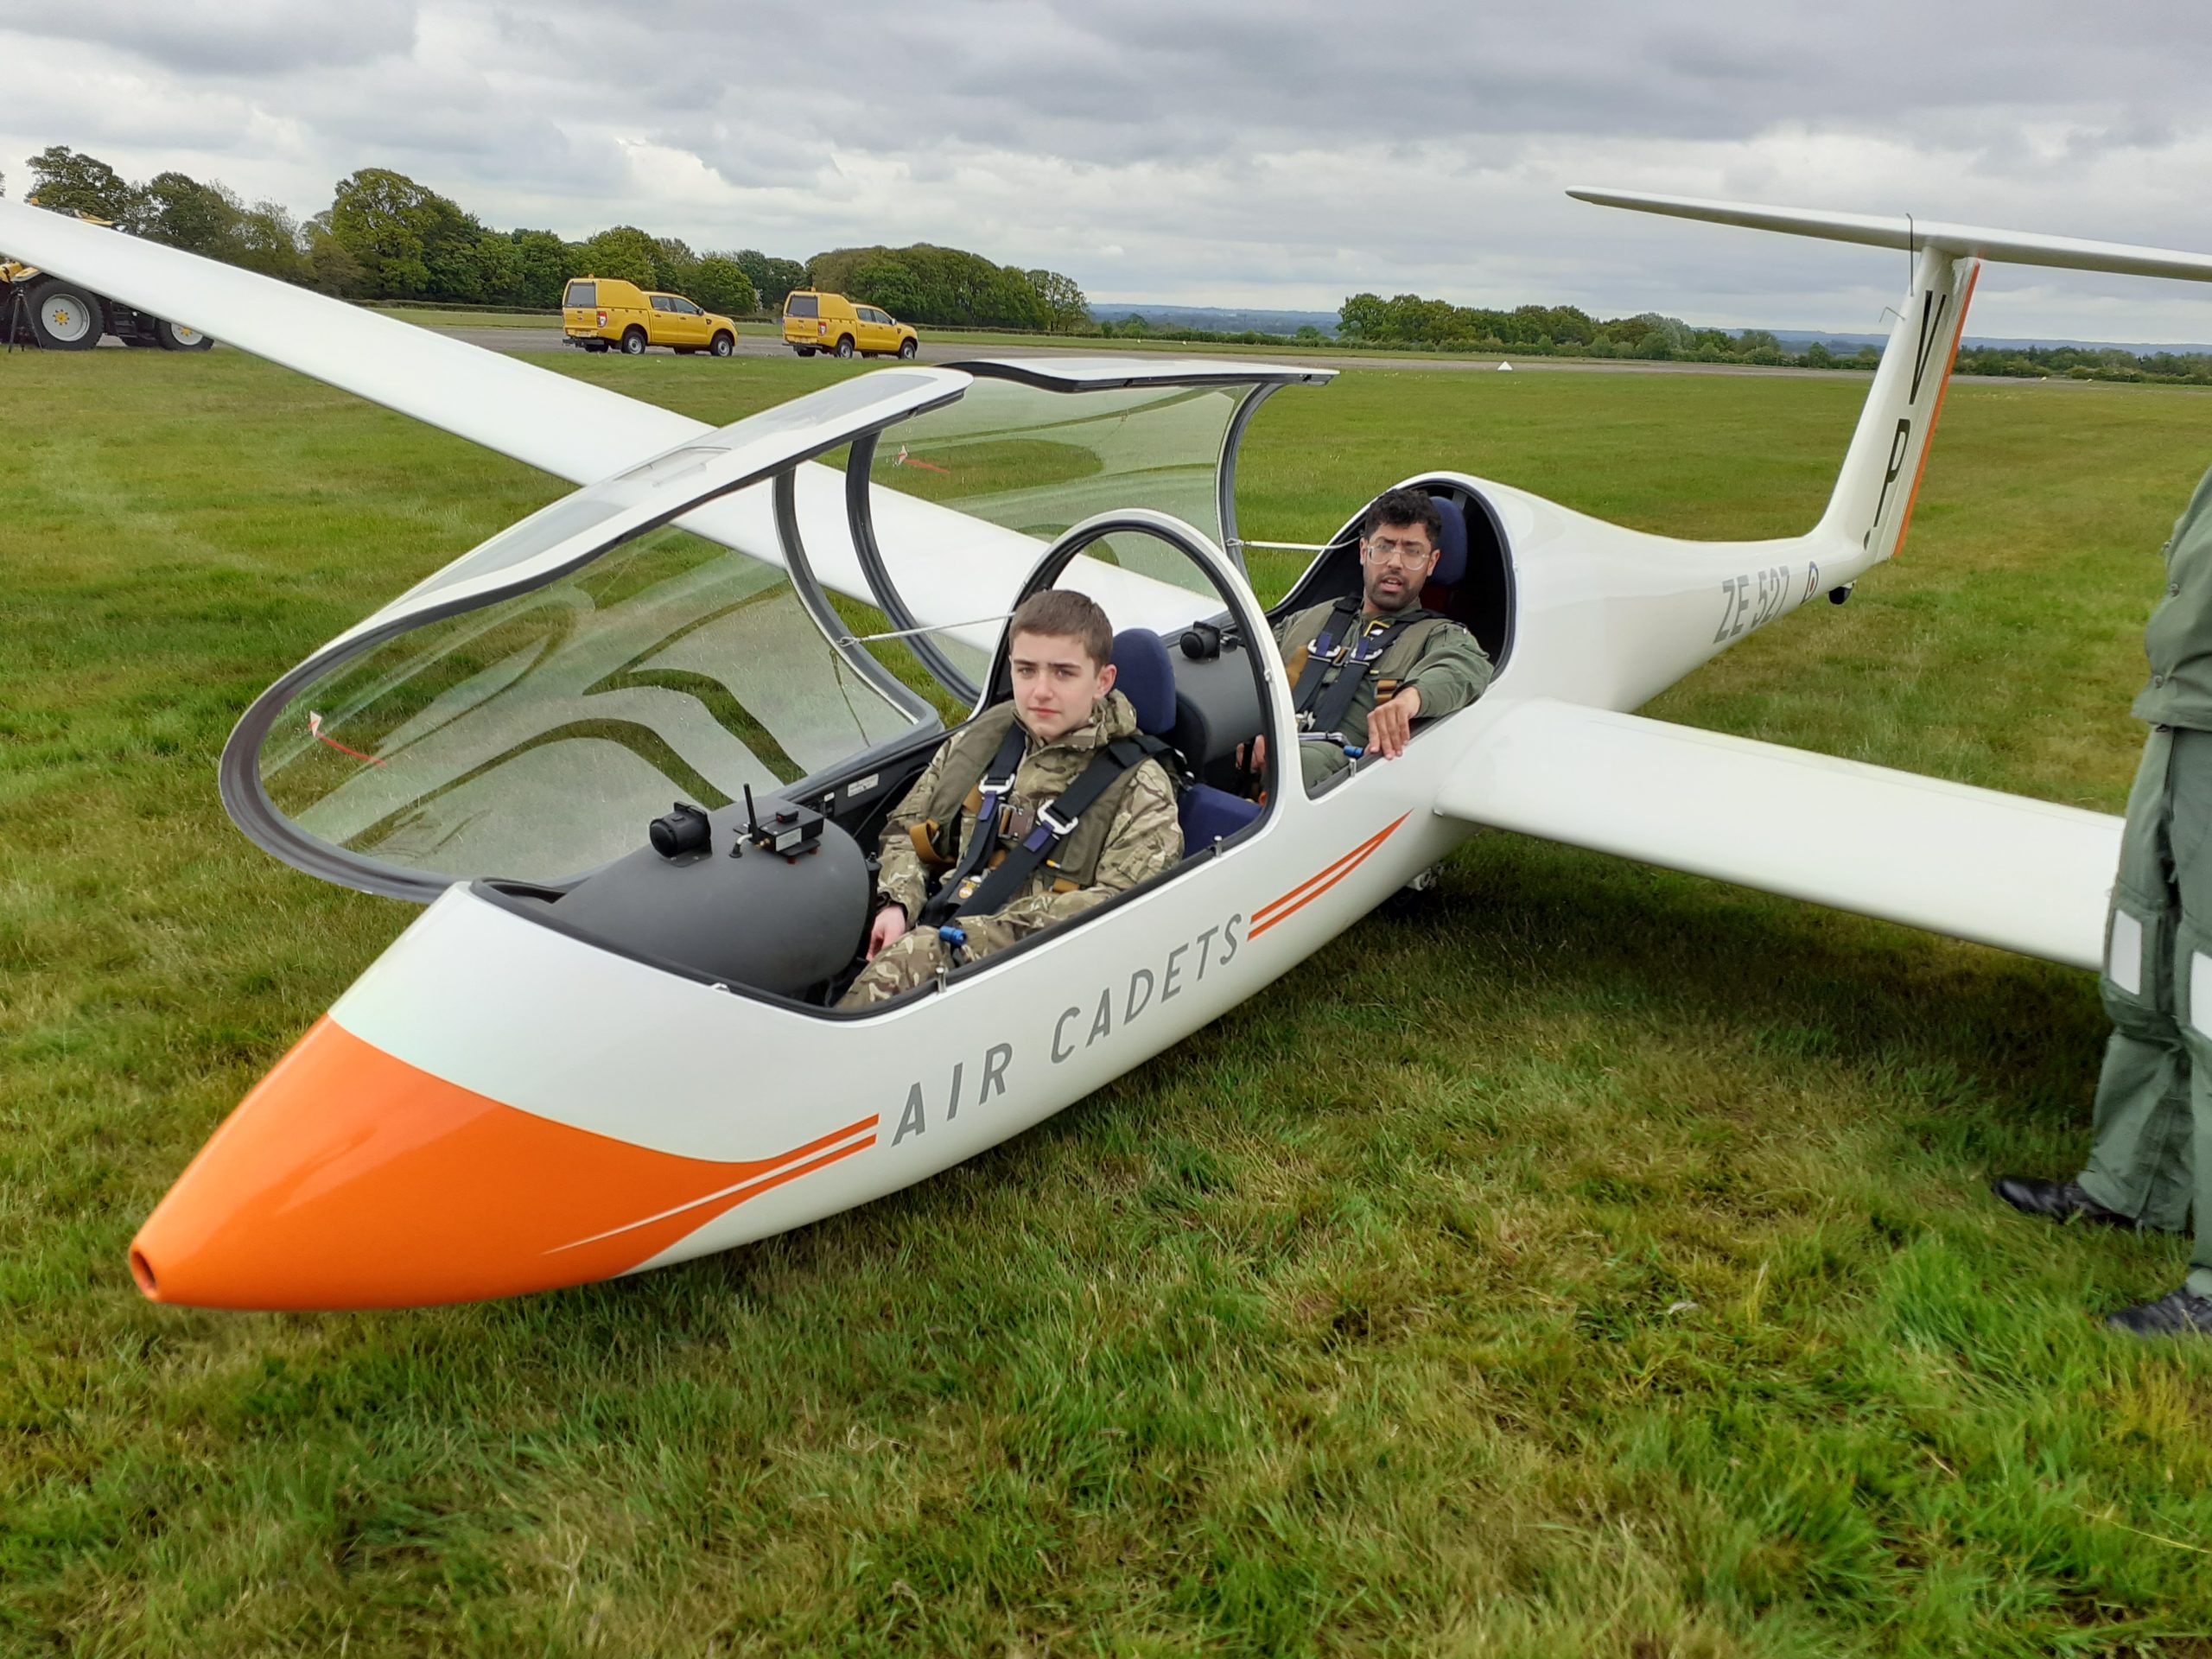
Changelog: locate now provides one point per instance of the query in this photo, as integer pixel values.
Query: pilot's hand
(1391, 725)
(890, 927)
(1259, 760)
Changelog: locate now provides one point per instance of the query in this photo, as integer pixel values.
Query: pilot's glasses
(1383, 549)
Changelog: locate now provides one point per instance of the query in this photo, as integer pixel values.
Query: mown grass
(1593, 1260)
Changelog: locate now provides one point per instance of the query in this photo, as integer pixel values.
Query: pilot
(2151, 1157)
(1368, 671)
(1035, 811)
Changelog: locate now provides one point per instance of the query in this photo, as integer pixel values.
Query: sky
(1280, 155)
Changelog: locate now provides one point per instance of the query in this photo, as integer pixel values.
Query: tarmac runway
(527, 340)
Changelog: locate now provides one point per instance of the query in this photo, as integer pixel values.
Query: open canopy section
(1036, 445)
(556, 537)
(527, 711)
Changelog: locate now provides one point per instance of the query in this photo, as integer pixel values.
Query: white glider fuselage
(499, 1105)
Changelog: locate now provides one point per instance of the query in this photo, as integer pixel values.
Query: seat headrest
(1143, 674)
(1452, 546)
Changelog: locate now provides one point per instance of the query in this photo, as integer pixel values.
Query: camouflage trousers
(911, 959)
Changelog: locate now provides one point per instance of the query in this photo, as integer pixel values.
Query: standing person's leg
(2185, 1158)
(2139, 1162)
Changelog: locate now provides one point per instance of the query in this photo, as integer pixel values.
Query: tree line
(1409, 322)
(387, 237)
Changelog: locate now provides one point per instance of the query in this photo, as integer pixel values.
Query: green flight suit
(1434, 653)
(2152, 1157)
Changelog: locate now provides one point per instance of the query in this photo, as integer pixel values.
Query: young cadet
(1369, 674)
(2151, 1160)
(978, 854)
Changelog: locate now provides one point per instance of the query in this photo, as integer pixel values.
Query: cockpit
(670, 712)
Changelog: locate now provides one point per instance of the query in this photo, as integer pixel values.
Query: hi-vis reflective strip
(351, 1178)
(1314, 886)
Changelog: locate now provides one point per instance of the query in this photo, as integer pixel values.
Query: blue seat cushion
(1143, 674)
(1452, 546)
(1209, 815)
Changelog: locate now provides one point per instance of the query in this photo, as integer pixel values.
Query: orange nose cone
(350, 1179)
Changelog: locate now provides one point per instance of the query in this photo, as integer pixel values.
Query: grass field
(1597, 1260)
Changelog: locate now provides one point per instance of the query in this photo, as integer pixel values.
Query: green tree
(673, 265)
(1066, 310)
(327, 266)
(408, 239)
(720, 283)
(1361, 317)
(182, 212)
(267, 239)
(544, 265)
(885, 279)
(499, 269)
(771, 279)
(68, 183)
(625, 252)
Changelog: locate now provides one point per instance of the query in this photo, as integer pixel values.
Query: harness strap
(1056, 822)
(1326, 647)
(1333, 705)
(924, 835)
(983, 838)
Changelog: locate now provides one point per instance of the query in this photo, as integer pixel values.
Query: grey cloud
(230, 37)
(1232, 148)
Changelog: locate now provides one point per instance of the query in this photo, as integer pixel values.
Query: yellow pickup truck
(816, 322)
(600, 312)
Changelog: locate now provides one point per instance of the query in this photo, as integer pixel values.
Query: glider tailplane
(1871, 505)
(2022, 874)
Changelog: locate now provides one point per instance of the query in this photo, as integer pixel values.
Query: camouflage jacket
(1140, 839)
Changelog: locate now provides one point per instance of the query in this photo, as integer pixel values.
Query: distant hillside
(1215, 318)
(1797, 340)
(1231, 320)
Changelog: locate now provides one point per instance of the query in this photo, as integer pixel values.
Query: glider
(587, 1057)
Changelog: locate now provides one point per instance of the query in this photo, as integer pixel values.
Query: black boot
(2056, 1200)
(2177, 1313)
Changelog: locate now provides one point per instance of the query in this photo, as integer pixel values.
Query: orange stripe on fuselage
(350, 1179)
(1943, 391)
(1314, 886)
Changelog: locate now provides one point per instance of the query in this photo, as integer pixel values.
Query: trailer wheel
(64, 317)
(179, 337)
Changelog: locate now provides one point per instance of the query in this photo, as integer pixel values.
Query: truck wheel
(906, 349)
(177, 337)
(65, 318)
(724, 345)
(633, 343)
(845, 345)
(803, 351)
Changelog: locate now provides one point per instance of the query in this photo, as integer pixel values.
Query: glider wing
(2000, 869)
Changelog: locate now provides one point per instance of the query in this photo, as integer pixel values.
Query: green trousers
(2152, 1155)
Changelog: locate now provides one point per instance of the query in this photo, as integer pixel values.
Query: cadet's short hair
(1066, 615)
(1405, 507)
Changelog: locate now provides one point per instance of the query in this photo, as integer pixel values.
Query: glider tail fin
(1873, 502)
(1881, 471)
